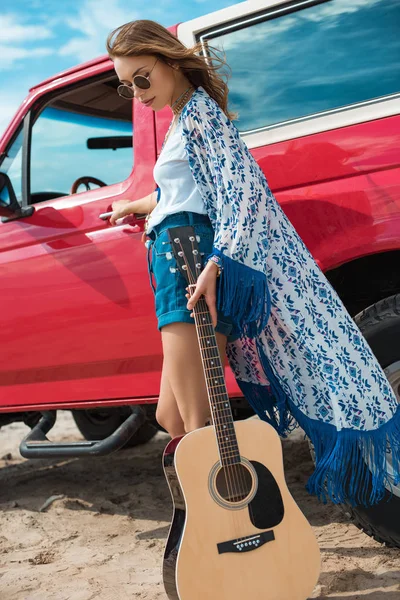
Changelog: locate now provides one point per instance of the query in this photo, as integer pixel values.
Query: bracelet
(146, 222)
(216, 260)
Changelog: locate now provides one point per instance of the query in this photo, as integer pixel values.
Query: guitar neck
(215, 380)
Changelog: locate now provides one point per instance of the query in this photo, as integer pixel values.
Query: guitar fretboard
(215, 380)
(186, 251)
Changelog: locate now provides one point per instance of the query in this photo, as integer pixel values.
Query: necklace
(183, 98)
(180, 103)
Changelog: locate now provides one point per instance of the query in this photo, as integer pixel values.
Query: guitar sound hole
(234, 483)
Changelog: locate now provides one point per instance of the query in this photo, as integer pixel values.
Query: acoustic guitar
(236, 532)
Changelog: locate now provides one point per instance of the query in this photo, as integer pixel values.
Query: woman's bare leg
(167, 413)
(184, 371)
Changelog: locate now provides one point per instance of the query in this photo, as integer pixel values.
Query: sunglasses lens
(125, 91)
(141, 82)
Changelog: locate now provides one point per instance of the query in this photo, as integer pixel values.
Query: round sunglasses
(140, 81)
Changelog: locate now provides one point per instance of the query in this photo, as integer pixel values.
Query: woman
(296, 353)
(183, 401)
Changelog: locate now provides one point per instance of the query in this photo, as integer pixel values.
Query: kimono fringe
(243, 295)
(265, 405)
(351, 465)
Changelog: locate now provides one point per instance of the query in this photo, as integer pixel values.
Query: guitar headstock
(186, 251)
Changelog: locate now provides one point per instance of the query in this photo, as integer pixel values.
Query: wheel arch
(364, 281)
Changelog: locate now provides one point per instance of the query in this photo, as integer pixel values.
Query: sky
(39, 38)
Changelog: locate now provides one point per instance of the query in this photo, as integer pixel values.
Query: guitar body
(237, 533)
(227, 545)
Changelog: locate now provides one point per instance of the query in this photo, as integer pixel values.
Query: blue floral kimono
(301, 359)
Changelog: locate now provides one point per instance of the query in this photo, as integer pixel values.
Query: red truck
(316, 85)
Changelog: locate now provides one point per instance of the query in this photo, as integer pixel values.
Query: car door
(76, 308)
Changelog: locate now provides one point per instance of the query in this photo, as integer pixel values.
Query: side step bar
(36, 444)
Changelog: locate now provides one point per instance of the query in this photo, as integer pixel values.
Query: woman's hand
(121, 209)
(206, 285)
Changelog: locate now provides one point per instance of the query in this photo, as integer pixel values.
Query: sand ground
(104, 538)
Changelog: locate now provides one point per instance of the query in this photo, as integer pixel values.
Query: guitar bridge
(245, 544)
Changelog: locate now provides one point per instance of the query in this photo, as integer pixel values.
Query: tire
(99, 423)
(380, 325)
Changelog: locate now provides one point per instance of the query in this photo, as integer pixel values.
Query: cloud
(14, 31)
(9, 55)
(95, 20)
(323, 14)
(338, 8)
(15, 39)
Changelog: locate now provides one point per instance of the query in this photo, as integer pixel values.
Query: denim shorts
(169, 289)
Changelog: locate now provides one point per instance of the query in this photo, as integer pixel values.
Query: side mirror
(8, 201)
(10, 208)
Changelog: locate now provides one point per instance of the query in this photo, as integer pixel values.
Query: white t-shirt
(178, 191)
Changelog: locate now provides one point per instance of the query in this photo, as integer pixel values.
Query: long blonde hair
(149, 37)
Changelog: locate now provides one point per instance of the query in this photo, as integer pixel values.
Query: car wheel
(380, 325)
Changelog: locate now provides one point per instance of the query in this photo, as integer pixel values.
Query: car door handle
(106, 215)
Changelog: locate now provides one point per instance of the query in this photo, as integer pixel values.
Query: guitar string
(214, 413)
(232, 448)
(211, 332)
(216, 418)
(202, 301)
(236, 468)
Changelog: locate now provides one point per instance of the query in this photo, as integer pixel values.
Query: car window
(81, 135)
(289, 64)
(12, 166)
